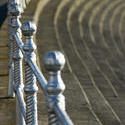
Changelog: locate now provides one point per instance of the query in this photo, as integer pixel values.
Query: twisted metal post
(17, 61)
(11, 16)
(61, 113)
(10, 45)
(54, 62)
(30, 88)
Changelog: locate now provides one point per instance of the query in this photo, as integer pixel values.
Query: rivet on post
(54, 62)
(28, 29)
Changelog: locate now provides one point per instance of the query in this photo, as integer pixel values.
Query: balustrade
(26, 111)
(31, 88)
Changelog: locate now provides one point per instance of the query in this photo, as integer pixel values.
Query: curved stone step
(63, 4)
(114, 26)
(114, 61)
(45, 40)
(111, 74)
(77, 108)
(76, 37)
(104, 87)
(76, 32)
(108, 25)
(75, 4)
(46, 35)
(64, 37)
(121, 27)
(104, 25)
(71, 89)
(102, 51)
(98, 47)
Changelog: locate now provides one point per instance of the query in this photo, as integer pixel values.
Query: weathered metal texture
(10, 45)
(54, 62)
(12, 4)
(28, 29)
(34, 67)
(17, 61)
(62, 115)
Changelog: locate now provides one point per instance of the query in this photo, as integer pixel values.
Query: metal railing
(26, 110)
(15, 8)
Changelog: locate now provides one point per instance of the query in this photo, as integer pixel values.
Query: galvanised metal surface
(10, 45)
(17, 60)
(61, 113)
(53, 89)
(35, 69)
(21, 4)
(54, 62)
(31, 88)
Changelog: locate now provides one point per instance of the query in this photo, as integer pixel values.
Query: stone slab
(3, 86)
(3, 52)
(3, 67)
(7, 111)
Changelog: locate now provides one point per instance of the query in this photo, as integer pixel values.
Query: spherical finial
(12, 2)
(54, 61)
(28, 28)
(14, 10)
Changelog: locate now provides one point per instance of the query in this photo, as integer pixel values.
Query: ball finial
(54, 61)
(14, 10)
(13, 2)
(28, 28)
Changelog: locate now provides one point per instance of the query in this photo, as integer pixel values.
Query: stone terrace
(91, 35)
